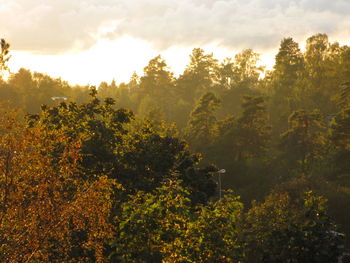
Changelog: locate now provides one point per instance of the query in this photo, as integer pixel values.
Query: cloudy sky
(94, 40)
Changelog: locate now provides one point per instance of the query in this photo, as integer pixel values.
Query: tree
(138, 156)
(99, 126)
(246, 69)
(327, 69)
(48, 214)
(163, 226)
(149, 223)
(252, 134)
(215, 234)
(340, 137)
(153, 154)
(344, 96)
(198, 77)
(224, 142)
(4, 54)
(158, 84)
(30, 90)
(286, 83)
(315, 55)
(238, 78)
(202, 124)
(321, 59)
(284, 229)
(25, 86)
(304, 142)
(344, 76)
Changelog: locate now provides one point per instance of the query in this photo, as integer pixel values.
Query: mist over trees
(128, 172)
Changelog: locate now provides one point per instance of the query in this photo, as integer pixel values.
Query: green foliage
(327, 68)
(344, 96)
(215, 234)
(99, 126)
(289, 63)
(163, 227)
(237, 79)
(145, 151)
(120, 93)
(140, 157)
(283, 229)
(158, 84)
(29, 90)
(340, 136)
(286, 83)
(245, 67)
(150, 223)
(242, 72)
(316, 48)
(198, 77)
(151, 156)
(202, 124)
(246, 137)
(253, 131)
(304, 142)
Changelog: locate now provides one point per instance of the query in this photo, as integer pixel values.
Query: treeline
(87, 183)
(279, 134)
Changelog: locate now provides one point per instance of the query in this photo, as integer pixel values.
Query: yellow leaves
(43, 200)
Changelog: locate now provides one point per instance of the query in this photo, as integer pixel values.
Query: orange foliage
(48, 212)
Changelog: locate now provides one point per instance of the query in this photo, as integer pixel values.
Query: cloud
(54, 26)
(60, 25)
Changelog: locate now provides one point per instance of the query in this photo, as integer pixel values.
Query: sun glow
(113, 59)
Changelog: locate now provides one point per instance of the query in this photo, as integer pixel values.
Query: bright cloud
(88, 41)
(60, 25)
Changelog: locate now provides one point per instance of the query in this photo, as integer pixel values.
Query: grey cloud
(336, 6)
(56, 26)
(239, 24)
(53, 26)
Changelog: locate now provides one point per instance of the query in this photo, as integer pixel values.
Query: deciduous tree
(48, 213)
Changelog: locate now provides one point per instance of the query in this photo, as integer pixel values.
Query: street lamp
(220, 172)
(59, 98)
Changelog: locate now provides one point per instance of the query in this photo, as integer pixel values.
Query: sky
(86, 42)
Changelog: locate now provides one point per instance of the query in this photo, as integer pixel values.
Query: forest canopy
(129, 172)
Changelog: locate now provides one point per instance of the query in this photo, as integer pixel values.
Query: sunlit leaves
(287, 229)
(163, 227)
(43, 201)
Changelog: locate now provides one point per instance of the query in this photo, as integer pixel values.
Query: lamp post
(220, 172)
